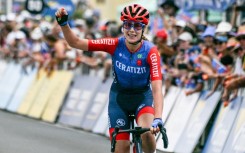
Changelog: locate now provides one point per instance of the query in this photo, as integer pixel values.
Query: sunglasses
(136, 25)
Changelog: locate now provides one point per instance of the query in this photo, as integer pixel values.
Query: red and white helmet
(135, 12)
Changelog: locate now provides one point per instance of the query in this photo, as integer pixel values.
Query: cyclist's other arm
(158, 98)
(156, 81)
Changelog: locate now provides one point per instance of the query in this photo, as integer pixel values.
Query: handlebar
(138, 131)
(163, 131)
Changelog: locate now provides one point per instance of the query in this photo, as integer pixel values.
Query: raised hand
(61, 16)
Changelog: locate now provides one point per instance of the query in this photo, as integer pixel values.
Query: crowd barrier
(81, 101)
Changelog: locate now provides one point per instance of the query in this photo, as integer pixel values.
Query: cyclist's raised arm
(74, 41)
(104, 44)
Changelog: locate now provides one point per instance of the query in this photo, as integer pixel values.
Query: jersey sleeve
(104, 44)
(153, 60)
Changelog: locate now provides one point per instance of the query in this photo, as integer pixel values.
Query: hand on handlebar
(61, 17)
(158, 125)
(155, 125)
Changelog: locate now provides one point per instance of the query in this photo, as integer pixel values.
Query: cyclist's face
(132, 30)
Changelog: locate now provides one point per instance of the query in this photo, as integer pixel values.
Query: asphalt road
(20, 134)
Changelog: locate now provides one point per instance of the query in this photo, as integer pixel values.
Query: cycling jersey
(132, 70)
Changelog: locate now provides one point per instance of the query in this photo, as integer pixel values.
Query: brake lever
(164, 135)
(113, 141)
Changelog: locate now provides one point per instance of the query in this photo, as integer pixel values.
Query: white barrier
(222, 127)
(169, 101)
(3, 67)
(9, 83)
(197, 123)
(79, 100)
(236, 139)
(178, 119)
(185, 116)
(99, 101)
(102, 123)
(21, 90)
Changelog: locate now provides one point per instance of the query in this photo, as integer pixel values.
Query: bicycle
(136, 132)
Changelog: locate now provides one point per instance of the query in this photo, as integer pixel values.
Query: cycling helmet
(135, 12)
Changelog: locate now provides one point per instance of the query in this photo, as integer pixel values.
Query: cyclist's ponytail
(144, 38)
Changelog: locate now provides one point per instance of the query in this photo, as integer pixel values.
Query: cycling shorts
(122, 104)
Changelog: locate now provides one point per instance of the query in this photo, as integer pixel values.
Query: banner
(43, 95)
(56, 99)
(54, 5)
(32, 92)
(218, 5)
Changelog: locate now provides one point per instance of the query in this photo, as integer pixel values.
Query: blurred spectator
(169, 7)
(194, 83)
(241, 51)
(17, 44)
(177, 29)
(221, 42)
(208, 37)
(166, 53)
(80, 28)
(161, 42)
(53, 53)
(223, 28)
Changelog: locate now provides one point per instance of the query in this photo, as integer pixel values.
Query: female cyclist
(136, 65)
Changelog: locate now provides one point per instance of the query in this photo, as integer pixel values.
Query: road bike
(136, 135)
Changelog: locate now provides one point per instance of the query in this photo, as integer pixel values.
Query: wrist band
(64, 23)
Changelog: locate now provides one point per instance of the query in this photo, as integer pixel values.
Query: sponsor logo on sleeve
(154, 61)
(104, 41)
